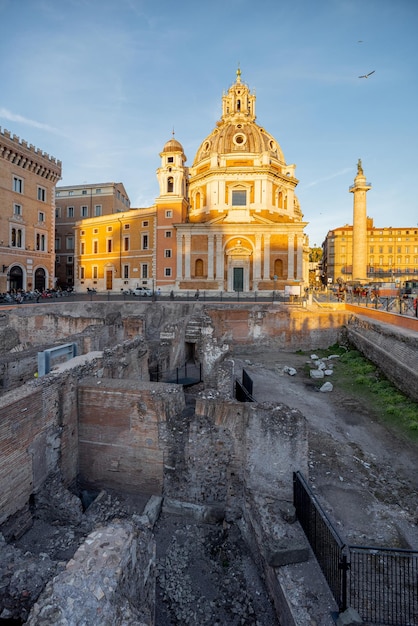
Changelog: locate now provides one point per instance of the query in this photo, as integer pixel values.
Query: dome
(173, 146)
(239, 137)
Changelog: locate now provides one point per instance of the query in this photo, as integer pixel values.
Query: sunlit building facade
(28, 177)
(116, 252)
(78, 202)
(230, 222)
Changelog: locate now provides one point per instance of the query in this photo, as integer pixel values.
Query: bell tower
(359, 190)
(239, 101)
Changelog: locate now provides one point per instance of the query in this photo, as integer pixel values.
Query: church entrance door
(238, 284)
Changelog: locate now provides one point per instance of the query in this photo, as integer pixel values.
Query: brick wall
(121, 433)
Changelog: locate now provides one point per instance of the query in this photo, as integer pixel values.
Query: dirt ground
(364, 475)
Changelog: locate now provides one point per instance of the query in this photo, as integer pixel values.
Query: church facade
(231, 222)
(236, 219)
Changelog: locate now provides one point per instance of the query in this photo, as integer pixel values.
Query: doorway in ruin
(190, 352)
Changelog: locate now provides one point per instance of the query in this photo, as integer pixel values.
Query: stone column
(359, 190)
(210, 256)
(219, 261)
(266, 268)
(187, 240)
(257, 261)
(291, 256)
(179, 256)
(299, 260)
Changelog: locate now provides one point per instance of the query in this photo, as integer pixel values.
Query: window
(95, 271)
(167, 271)
(170, 159)
(380, 249)
(84, 211)
(41, 216)
(70, 193)
(109, 245)
(17, 184)
(82, 247)
(145, 242)
(144, 270)
(126, 244)
(69, 242)
(169, 214)
(57, 211)
(57, 243)
(371, 249)
(81, 273)
(170, 184)
(126, 271)
(95, 246)
(40, 242)
(16, 238)
(109, 229)
(17, 209)
(98, 190)
(70, 211)
(84, 192)
(70, 259)
(145, 223)
(95, 231)
(167, 254)
(168, 234)
(239, 198)
(42, 194)
(97, 210)
(126, 226)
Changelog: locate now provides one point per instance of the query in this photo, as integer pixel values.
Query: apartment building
(116, 252)
(78, 202)
(28, 177)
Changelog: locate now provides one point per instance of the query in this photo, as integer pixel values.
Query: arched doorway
(15, 278)
(40, 279)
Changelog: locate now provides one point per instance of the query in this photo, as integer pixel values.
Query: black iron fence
(381, 584)
(244, 390)
(186, 374)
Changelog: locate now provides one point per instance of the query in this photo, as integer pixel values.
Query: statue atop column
(359, 167)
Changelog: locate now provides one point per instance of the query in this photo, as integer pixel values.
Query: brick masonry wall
(39, 427)
(120, 422)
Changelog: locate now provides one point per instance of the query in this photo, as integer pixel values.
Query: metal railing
(186, 374)
(381, 584)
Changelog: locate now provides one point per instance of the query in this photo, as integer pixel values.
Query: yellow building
(363, 253)
(77, 202)
(27, 215)
(115, 252)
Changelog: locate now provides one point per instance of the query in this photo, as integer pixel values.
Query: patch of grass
(390, 405)
(359, 377)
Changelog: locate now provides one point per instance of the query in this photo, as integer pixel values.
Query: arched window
(170, 184)
(198, 268)
(238, 105)
(280, 200)
(198, 200)
(278, 268)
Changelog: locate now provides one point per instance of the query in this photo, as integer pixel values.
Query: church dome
(237, 131)
(173, 146)
(239, 136)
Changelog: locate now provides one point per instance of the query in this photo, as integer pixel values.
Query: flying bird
(367, 75)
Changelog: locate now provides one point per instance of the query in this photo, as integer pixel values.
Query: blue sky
(101, 84)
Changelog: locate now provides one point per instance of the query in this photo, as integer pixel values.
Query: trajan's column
(359, 190)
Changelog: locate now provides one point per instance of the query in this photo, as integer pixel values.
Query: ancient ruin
(121, 495)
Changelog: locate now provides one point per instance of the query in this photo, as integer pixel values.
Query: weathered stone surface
(326, 387)
(316, 374)
(350, 617)
(110, 580)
